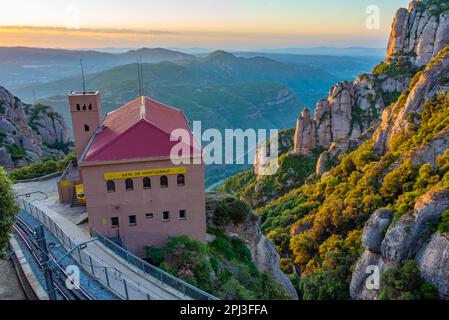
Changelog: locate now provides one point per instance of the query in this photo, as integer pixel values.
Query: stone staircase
(74, 202)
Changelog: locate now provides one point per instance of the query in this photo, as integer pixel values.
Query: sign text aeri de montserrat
(144, 173)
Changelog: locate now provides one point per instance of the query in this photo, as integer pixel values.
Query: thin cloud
(84, 30)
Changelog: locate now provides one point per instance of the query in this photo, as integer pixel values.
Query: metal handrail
(67, 170)
(93, 263)
(186, 288)
(28, 194)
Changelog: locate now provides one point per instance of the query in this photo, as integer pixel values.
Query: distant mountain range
(22, 66)
(331, 51)
(221, 88)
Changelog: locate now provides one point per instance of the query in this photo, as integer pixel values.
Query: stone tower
(85, 109)
(304, 141)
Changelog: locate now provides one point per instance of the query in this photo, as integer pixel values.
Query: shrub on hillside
(8, 209)
(405, 283)
(230, 210)
(41, 169)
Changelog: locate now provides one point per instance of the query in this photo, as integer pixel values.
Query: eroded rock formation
(350, 110)
(418, 33)
(411, 237)
(27, 132)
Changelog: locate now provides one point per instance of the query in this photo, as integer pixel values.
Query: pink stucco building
(132, 189)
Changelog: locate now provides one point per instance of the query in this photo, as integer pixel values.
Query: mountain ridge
(379, 195)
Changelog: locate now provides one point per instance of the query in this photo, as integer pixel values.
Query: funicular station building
(124, 175)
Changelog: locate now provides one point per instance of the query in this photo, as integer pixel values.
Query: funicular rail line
(27, 235)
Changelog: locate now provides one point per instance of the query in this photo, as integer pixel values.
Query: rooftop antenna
(138, 77)
(141, 77)
(82, 74)
(142, 99)
(34, 96)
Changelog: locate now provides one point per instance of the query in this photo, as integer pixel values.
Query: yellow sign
(66, 183)
(143, 173)
(80, 193)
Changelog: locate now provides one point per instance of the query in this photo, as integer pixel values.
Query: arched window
(78, 107)
(110, 185)
(146, 183)
(86, 128)
(181, 180)
(164, 182)
(84, 106)
(90, 106)
(129, 185)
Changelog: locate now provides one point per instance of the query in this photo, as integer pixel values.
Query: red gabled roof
(138, 130)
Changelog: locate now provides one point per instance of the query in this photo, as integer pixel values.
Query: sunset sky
(236, 24)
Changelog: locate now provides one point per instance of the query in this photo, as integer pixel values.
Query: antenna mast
(141, 77)
(34, 96)
(82, 74)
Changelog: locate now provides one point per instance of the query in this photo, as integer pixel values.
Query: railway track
(28, 236)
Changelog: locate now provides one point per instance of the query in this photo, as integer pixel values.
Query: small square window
(182, 215)
(149, 215)
(165, 216)
(132, 220)
(114, 222)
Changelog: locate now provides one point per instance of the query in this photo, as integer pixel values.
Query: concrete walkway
(66, 218)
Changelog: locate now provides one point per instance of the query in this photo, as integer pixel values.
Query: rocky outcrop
(381, 106)
(364, 268)
(433, 262)
(411, 237)
(396, 119)
(419, 33)
(263, 251)
(349, 111)
(26, 132)
(305, 135)
(48, 124)
(375, 228)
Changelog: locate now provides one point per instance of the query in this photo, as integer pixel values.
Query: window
(86, 128)
(129, 185)
(132, 220)
(165, 216)
(181, 180)
(149, 215)
(110, 185)
(84, 106)
(78, 107)
(182, 215)
(90, 106)
(164, 182)
(114, 222)
(146, 183)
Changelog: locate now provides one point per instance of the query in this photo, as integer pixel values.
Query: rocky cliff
(262, 249)
(418, 34)
(28, 133)
(389, 245)
(350, 109)
(421, 36)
